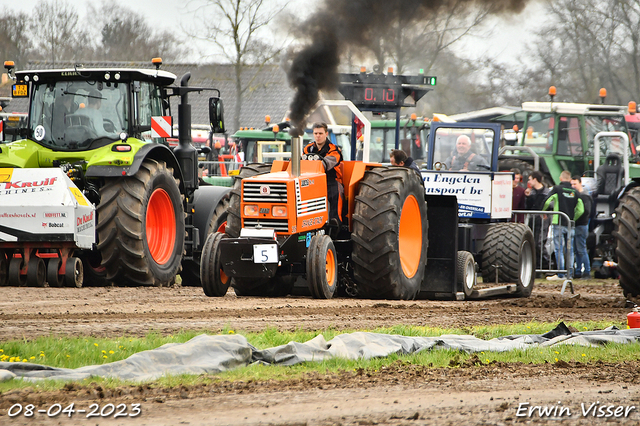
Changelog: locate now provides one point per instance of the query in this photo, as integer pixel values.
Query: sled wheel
(73, 273)
(4, 266)
(215, 282)
(510, 246)
(16, 279)
(36, 272)
(390, 234)
(466, 273)
(322, 267)
(53, 277)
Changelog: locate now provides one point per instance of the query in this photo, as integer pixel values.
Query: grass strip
(76, 352)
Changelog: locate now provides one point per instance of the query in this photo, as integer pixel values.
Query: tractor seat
(609, 175)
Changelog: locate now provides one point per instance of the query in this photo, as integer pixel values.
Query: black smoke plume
(340, 23)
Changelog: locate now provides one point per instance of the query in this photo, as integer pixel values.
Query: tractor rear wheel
(390, 235)
(141, 227)
(322, 267)
(215, 282)
(627, 235)
(510, 247)
(234, 220)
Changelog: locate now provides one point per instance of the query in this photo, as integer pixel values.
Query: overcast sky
(507, 43)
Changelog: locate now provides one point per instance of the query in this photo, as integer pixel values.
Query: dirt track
(403, 394)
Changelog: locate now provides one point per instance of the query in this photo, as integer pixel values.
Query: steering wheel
(440, 166)
(108, 125)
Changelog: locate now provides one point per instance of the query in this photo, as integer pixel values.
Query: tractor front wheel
(215, 282)
(322, 267)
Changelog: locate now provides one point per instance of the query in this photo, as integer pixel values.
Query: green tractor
(107, 128)
(557, 136)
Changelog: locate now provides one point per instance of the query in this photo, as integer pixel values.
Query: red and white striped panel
(161, 127)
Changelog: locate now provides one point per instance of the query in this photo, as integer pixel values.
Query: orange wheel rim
(223, 227)
(410, 236)
(161, 226)
(330, 268)
(223, 277)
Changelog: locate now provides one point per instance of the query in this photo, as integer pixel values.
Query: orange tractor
(278, 229)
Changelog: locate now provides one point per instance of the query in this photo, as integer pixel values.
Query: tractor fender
(154, 151)
(205, 200)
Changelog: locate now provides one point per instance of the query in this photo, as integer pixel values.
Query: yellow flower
(487, 360)
(1, 351)
(528, 327)
(231, 332)
(111, 352)
(557, 352)
(120, 347)
(584, 354)
(13, 358)
(95, 344)
(584, 328)
(24, 360)
(556, 359)
(68, 356)
(104, 356)
(42, 355)
(104, 352)
(33, 357)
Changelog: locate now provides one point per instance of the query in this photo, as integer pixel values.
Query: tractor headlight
(251, 210)
(279, 211)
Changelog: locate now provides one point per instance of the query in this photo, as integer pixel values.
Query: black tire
(214, 281)
(388, 198)
(73, 272)
(510, 246)
(4, 266)
(95, 274)
(234, 220)
(53, 277)
(36, 272)
(322, 267)
(128, 208)
(466, 273)
(16, 279)
(190, 273)
(627, 236)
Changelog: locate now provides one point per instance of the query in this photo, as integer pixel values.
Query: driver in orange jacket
(331, 156)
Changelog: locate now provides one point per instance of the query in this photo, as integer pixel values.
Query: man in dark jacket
(564, 199)
(582, 232)
(535, 196)
(331, 156)
(399, 158)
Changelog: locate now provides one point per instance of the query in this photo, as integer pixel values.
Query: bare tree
(233, 26)
(125, 36)
(14, 37)
(57, 33)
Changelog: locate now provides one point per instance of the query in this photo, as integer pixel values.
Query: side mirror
(216, 115)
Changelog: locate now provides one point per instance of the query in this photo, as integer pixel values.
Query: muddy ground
(471, 393)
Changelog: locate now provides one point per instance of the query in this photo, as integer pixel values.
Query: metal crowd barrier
(530, 216)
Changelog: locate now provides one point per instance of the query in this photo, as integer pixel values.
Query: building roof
(268, 92)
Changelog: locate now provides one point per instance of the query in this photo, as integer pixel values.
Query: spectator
(399, 158)
(518, 199)
(583, 265)
(535, 195)
(564, 199)
(517, 176)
